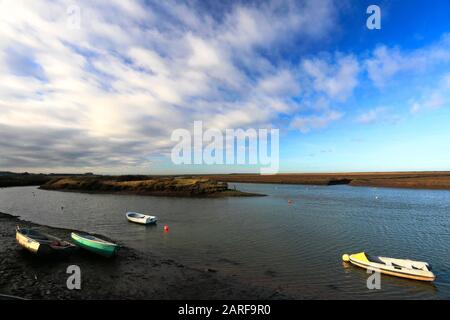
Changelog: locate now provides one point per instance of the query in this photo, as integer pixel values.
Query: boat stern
(150, 220)
(27, 243)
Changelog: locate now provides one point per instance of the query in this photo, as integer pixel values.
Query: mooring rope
(11, 297)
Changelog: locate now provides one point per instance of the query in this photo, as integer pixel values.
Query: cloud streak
(386, 63)
(134, 71)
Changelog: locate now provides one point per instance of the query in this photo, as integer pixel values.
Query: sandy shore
(131, 275)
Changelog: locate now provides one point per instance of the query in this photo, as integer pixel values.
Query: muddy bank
(162, 186)
(131, 275)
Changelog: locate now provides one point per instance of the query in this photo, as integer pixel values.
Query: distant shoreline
(437, 180)
(409, 180)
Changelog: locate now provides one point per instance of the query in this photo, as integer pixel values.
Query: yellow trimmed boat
(41, 243)
(403, 268)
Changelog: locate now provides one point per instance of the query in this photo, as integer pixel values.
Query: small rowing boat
(95, 244)
(41, 243)
(141, 218)
(403, 268)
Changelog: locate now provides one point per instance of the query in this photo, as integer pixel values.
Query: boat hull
(392, 270)
(43, 247)
(102, 248)
(28, 244)
(141, 219)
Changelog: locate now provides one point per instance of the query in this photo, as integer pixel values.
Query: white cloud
(307, 123)
(267, 22)
(204, 55)
(386, 62)
(377, 115)
(326, 83)
(337, 80)
(371, 115)
(283, 82)
(433, 98)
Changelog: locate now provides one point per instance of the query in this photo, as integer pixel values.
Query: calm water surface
(266, 241)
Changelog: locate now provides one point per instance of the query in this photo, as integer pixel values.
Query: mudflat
(131, 275)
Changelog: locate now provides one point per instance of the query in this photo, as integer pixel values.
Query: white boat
(403, 268)
(141, 218)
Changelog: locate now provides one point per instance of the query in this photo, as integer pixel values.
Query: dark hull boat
(41, 243)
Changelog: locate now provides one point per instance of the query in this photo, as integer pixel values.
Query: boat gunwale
(97, 240)
(48, 242)
(139, 215)
(26, 237)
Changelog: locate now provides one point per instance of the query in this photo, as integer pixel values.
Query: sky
(100, 86)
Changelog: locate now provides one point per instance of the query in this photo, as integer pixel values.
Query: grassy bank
(10, 179)
(153, 186)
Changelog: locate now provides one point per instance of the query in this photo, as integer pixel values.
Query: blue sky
(101, 86)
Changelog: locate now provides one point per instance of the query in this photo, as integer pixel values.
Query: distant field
(415, 180)
(23, 179)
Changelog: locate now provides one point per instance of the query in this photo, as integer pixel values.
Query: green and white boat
(94, 244)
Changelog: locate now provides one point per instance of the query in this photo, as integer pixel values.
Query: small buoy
(290, 201)
(166, 228)
(346, 258)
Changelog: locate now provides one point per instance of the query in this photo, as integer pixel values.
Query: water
(265, 241)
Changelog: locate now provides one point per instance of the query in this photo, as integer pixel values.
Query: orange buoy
(166, 228)
(290, 201)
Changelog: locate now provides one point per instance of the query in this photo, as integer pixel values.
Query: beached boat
(403, 268)
(94, 244)
(141, 218)
(41, 243)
